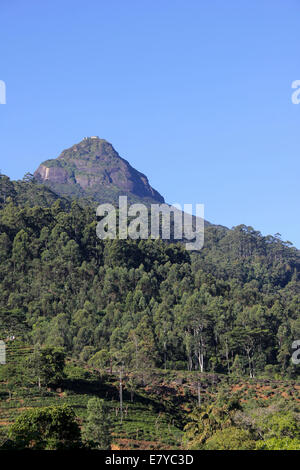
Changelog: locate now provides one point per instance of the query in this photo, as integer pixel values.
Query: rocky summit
(93, 169)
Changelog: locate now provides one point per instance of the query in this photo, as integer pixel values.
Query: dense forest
(230, 309)
(235, 301)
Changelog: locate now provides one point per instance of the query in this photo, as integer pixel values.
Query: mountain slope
(93, 169)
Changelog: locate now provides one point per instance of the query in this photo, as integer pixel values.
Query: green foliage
(226, 425)
(29, 192)
(231, 308)
(74, 372)
(97, 432)
(48, 428)
(279, 444)
(205, 422)
(280, 426)
(231, 438)
(48, 365)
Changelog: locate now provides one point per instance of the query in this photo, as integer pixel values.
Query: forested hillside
(201, 342)
(27, 191)
(233, 304)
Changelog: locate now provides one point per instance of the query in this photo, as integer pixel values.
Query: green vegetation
(49, 428)
(97, 430)
(28, 191)
(230, 439)
(227, 424)
(180, 326)
(47, 365)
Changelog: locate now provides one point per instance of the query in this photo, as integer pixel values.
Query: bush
(230, 439)
(51, 428)
(279, 444)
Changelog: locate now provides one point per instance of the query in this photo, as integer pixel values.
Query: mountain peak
(93, 168)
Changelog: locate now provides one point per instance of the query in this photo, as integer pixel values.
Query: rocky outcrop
(54, 174)
(93, 168)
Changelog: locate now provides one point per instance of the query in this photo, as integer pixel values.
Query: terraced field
(144, 423)
(156, 417)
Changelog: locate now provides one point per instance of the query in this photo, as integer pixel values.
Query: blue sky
(196, 94)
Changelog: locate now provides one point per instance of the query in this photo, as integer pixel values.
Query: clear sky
(196, 94)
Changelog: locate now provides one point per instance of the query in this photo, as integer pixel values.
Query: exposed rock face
(54, 174)
(94, 169)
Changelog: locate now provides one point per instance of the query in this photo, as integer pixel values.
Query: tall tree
(97, 433)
